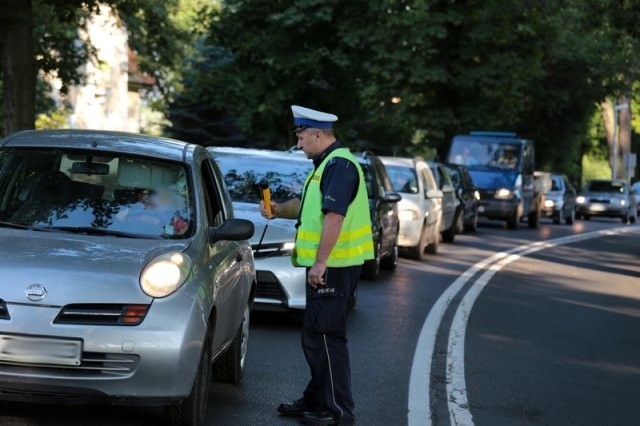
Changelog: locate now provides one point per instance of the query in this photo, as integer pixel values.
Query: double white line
(420, 381)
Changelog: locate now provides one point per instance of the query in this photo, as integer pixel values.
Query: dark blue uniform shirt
(339, 182)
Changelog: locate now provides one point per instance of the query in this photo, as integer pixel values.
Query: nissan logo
(35, 292)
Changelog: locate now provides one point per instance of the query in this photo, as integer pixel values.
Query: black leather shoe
(318, 418)
(295, 408)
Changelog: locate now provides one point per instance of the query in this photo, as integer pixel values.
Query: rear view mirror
(390, 197)
(85, 168)
(434, 193)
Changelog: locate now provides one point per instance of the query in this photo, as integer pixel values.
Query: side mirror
(390, 197)
(232, 230)
(434, 193)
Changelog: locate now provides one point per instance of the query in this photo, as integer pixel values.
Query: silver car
(126, 277)
(420, 209)
(280, 285)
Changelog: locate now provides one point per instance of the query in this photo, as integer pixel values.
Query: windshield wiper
(14, 225)
(88, 230)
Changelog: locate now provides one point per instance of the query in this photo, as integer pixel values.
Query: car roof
(100, 140)
(400, 161)
(268, 154)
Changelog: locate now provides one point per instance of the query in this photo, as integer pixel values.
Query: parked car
(420, 209)
(280, 285)
(126, 276)
(560, 200)
(608, 198)
(467, 194)
(451, 211)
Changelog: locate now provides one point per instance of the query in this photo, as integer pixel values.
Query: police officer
(333, 240)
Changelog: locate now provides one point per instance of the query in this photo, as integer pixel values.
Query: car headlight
(503, 194)
(165, 274)
(549, 203)
(580, 199)
(408, 215)
(476, 195)
(619, 202)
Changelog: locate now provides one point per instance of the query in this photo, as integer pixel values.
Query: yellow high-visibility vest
(355, 243)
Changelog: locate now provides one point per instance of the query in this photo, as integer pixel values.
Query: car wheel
(633, 218)
(390, 262)
(472, 226)
(371, 268)
(625, 218)
(191, 411)
(586, 217)
(229, 368)
(417, 251)
(557, 218)
(450, 234)
(512, 221)
(534, 218)
(571, 218)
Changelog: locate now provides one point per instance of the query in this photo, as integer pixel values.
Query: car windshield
(403, 179)
(501, 155)
(94, 192)
(606, 186)
(242, 174)
(556, 183)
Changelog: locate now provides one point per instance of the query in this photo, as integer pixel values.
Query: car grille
(600, 200)
(102, 314)
(92, 365)
(4, 312)
(269, 287)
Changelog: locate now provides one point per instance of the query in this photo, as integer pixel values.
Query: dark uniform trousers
(324, 342)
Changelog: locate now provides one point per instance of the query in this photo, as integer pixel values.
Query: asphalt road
(547, 336)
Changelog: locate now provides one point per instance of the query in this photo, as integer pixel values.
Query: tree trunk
(607, 119)
(624, 135)
(18, 67)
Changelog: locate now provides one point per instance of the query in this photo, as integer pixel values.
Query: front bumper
(497, 209)
(154, 362)
(602, 209)
(281, 286)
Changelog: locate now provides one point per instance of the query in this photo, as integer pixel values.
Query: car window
(403, 179)
(212, 195)
(456, 177)
(242, 174)
(83, 190)
(556, 183)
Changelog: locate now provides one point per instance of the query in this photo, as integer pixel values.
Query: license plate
(597, 207)
(40, 350)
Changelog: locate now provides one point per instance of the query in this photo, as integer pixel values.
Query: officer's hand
(315, 276)
(274, 208)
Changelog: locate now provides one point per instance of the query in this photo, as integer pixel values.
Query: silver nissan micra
(125, 276)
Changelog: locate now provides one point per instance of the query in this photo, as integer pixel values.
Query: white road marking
(420, 381)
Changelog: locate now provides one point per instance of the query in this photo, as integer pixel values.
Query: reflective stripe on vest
(355, 242)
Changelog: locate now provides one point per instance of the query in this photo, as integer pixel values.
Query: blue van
(501, 165)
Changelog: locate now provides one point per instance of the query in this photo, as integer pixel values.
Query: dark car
(451, 217)
(560, 200)
(607, 198)
(467, 194)
(383, 206)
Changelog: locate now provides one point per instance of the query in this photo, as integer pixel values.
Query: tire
(229, 368)
(512, 221)
(472, 226)
(417, 252)
(191, 411)
(557, 219)
(586, 217)
(449, 235)
(625, 218)
(571, 218)
(371, 268)
(533, 221)
(390, 262)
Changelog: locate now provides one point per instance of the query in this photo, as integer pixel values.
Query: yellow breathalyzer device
(265, 195)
